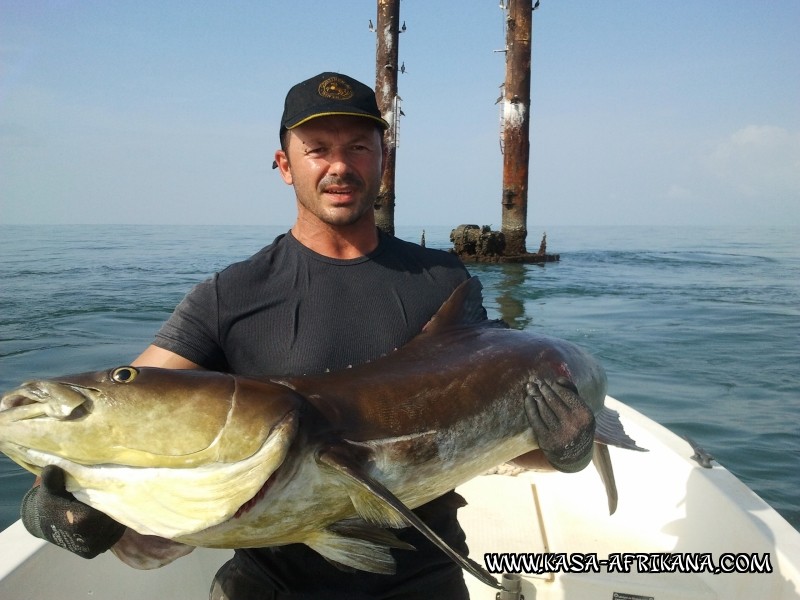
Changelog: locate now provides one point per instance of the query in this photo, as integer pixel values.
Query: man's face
(335, 165)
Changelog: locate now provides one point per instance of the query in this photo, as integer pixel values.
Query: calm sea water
(698, 328)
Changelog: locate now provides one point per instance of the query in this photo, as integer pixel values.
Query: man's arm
(153, 356)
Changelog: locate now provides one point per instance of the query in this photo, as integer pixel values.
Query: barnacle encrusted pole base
(480, 244)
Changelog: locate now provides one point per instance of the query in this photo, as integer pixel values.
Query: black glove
(563, 423)
(51, 513)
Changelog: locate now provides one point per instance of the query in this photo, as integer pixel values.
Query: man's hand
(51, 513)
(562, 422)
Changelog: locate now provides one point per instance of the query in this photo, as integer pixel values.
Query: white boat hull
(668, 507)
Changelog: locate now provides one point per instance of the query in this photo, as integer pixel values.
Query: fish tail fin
(602, 462)
(609, 431)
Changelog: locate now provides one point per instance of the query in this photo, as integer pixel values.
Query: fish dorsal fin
(463, 307)
(381, 506)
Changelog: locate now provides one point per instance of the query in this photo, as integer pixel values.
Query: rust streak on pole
(386, 58)
(516, 125)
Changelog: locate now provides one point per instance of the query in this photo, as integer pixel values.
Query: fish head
(145, 416)
(219, 438)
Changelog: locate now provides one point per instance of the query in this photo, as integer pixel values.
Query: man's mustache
(349, 180)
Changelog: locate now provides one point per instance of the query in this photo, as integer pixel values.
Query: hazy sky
(682, 112)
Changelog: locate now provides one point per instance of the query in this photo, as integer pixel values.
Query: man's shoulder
(260, 263)
(423, 254)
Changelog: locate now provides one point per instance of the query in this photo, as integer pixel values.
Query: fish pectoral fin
(602, 462)
(353, 544)
(371, 500)
(375, 500)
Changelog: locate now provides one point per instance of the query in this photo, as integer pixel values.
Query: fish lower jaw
(14, 408)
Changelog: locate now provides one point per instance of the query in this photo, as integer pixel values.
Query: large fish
(217, 460)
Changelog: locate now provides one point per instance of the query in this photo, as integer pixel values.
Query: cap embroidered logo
(335, 88)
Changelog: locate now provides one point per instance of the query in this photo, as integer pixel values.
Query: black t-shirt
(290, 311)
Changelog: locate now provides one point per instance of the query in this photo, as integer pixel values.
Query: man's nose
(339, 161)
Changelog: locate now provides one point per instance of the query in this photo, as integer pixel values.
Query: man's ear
(282, 164)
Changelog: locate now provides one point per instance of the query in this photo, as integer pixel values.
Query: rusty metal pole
(516, 125)
(386, 57)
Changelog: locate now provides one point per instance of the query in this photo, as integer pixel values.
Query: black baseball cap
(329, 94)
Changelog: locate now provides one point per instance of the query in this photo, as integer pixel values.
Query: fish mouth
(56, 400)
(41, 400)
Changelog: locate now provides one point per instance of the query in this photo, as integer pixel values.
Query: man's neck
(344, 242)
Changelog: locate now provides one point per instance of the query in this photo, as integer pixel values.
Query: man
(332, 292)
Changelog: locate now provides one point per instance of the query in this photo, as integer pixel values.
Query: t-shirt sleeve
(193, 329)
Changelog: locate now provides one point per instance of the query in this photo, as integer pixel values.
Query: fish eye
(124, 374)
